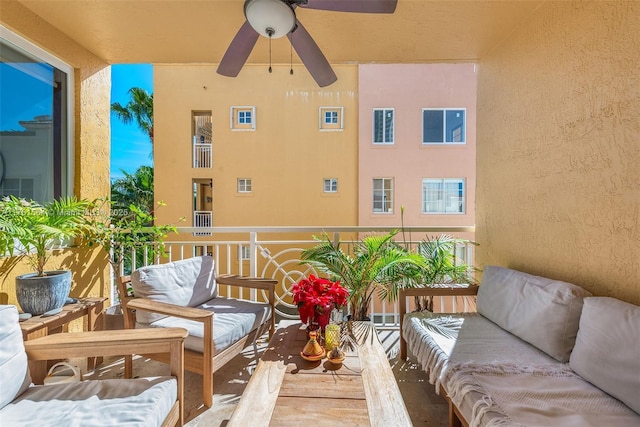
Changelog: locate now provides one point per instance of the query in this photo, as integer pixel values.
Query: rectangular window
(383, 126)
(331, 118)
(383, 195)
(331, 185)
(442, 126)
(443, 196)
(36, 121)
(243, 118)
(244, 185)
(244, 253)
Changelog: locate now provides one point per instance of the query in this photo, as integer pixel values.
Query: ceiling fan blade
(311, 56)
(238, 51)
(362, 6)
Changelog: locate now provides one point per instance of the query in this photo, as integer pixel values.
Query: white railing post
(253, 260)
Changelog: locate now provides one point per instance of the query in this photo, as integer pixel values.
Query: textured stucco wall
(92, 85)
(558, 150)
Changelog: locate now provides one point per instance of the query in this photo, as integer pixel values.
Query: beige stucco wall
(408, 88)
(92, 80)
(286, 157)
(558, 190)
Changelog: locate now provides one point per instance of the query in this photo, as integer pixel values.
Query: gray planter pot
(38, 295)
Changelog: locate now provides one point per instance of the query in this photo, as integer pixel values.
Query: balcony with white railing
(274, 252)
(202, 219)
(202, 155)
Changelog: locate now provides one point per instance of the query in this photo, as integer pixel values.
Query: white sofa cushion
(136, 402)
(607, 350)
(14, 371)
(232, 320)
(543, 312)
(187, 282)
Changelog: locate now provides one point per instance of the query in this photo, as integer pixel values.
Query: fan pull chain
(270, 69)
(270, 33)
(291, 58)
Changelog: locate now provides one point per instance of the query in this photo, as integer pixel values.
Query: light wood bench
(285, 389)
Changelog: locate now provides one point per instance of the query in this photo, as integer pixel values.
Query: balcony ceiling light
(270, 18)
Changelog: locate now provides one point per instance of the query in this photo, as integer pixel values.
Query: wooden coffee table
(286, 390)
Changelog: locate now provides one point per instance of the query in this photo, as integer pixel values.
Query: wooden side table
(39, 326)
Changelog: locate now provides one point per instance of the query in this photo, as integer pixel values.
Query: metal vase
(38, 295)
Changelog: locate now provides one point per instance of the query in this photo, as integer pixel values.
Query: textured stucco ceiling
(199, 31)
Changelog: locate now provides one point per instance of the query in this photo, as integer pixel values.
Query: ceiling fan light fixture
(270, 18)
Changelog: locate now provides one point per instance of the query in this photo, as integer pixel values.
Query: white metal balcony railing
(279, 258)
(202, 155)
(202, 219)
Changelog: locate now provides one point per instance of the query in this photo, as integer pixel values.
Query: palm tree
(377, 263)
(139, 109)
(133, 190)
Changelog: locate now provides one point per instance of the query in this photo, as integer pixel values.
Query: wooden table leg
(95, 322)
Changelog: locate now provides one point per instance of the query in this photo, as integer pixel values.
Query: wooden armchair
(157, 401)
(205, 351)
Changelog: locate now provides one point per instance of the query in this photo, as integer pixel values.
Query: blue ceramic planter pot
(38, 295)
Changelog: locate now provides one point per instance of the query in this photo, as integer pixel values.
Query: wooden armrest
(104, 343)
(189, 313)
(247, 282)
(433, 291)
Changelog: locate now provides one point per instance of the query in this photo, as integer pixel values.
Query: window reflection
(32, 126)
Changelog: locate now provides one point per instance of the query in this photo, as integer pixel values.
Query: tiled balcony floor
(424, 406)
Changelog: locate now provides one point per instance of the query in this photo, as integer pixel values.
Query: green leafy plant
(376, 263)
(120, 236)
(32, 231)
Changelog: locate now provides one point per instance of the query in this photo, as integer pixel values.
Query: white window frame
(245, 185)
(385, 138)
(234, 117)
(21, 43)
(330, 185)
(444, 126)
(323, 125)
(387, 205)
(462, 202)
(244, 253)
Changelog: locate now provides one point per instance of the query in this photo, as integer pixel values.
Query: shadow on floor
(425, 407)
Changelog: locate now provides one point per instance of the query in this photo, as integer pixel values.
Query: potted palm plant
(376, 263)
(32, 231)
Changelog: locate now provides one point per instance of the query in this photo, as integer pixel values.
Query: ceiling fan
(277, 18)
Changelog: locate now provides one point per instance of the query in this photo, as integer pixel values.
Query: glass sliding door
(34, 123)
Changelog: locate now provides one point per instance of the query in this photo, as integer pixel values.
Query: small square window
(244, 185)
(243, 118)
(331, 118)
(331, 185)
(244, 253)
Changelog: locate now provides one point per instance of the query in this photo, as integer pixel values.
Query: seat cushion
(187, 282)
(232, 320)
(118, 402)
(607, 351)
(14, 370)
(543, 312)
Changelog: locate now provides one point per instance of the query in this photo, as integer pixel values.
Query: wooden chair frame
(169, 341)
(205, 363)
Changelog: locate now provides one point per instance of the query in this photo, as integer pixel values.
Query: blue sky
(130, 148)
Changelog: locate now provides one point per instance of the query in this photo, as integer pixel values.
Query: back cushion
(189, 282)
(541, 311)
(14, 370)
(607, 351)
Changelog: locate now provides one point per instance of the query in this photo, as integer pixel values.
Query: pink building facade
(417, 144)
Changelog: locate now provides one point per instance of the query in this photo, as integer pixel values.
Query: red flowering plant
(316, 298)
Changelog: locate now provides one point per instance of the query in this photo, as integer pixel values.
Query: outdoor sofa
(538, 352)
